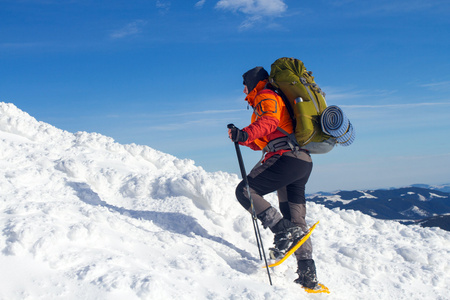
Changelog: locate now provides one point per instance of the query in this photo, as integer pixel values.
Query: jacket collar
(252, 94)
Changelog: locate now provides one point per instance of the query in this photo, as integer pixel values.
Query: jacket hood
(253, 76)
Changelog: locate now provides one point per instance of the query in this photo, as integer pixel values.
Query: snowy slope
(83, 217)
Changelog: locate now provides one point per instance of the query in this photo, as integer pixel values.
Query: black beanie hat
(253, 76)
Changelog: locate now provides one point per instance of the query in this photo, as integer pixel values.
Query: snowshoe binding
(284, 241)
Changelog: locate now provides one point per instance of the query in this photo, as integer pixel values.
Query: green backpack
(305, 102)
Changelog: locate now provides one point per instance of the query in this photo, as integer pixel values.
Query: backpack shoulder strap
(279, 93)
(269, 89)
(292, 138)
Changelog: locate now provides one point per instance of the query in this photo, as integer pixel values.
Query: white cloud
(250, 22)
(163, 6)
(257, 11)
(402, 105)
(200, 3)
(437, 86)
(338, 94)
(209, 112)
(132, 28)
(254, 7)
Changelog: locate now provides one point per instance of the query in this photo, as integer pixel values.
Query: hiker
(285, 168)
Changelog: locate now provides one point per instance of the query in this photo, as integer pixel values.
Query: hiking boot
(286, 234)
(307, 274)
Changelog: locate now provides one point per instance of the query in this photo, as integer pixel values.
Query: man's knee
(242, 195)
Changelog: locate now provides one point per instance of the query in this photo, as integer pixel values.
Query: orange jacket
(269, 112)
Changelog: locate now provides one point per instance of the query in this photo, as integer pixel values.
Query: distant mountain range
(425, 205)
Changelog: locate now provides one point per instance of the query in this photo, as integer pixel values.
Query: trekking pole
(254, 218)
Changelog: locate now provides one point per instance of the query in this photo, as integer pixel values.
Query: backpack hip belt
(281, 143)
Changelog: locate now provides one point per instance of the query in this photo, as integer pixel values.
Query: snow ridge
(84, 217)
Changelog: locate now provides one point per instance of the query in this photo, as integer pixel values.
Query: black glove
(238, 135)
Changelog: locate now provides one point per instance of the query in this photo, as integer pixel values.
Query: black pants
(287, 174)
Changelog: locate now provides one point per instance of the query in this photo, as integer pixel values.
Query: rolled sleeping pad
(336, 124)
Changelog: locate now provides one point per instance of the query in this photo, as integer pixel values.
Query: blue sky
(167, 74)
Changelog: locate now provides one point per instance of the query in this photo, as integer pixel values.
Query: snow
(414, 211)
(433, 195)
(422, 198)
(83, 217)
(337, 198)
(367, 195)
